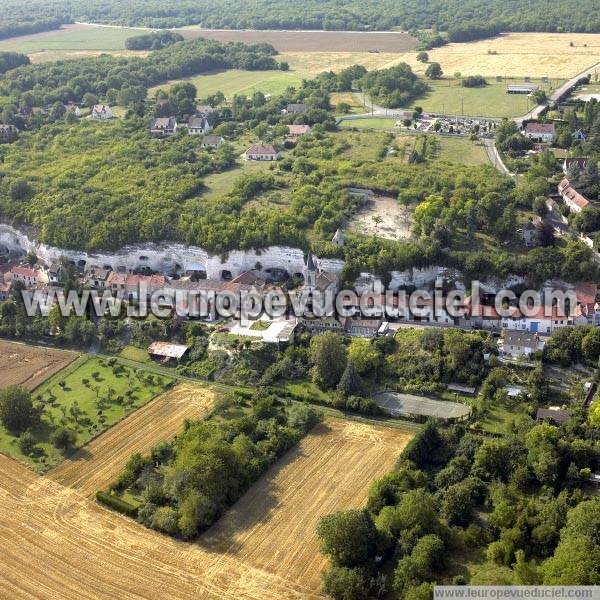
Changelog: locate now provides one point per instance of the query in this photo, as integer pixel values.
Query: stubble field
(57, 543)
(30, 366)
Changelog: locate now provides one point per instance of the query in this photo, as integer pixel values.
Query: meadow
(235, 82)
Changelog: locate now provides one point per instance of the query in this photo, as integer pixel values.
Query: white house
(541, 132)
(101, 112)
(163, 126)
(518, 344)
(198, 125)
(571, 197)
(263, 152)
(212, 141)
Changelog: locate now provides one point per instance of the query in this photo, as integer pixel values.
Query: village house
(212, 141)
(518, 344)
(96, 277)
(368, 328)
(26, 275)
(262, 151)
(72, 108)
(130, 285)
(571, 197)
(319, 325)
(540, 132)
(163, 126)
(101, 112)
(578, 136)
(297, 131)
(295, 109)
(198, 125)
(204, 110)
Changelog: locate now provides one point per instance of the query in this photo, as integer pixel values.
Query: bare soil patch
(99, 463)
(313, 41)
(30, 366)
(395, 219)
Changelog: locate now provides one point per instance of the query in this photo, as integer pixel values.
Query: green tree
(196, 512)
(16, 409)
(434, 71)
(350, 383)
(348, 538)
(364, 355)
(64, 439)
(423, 57)
(343, 583)
(328, 357)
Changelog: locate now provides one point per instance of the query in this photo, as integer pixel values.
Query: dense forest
(444, 15)
(16, 22)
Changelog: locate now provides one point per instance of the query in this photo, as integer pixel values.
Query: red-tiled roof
(262, 149)
(540, 128)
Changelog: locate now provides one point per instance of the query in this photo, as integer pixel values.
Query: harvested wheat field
(99, 463)
(58, 545)
(30, 366)
(273, 526)
(518, 55)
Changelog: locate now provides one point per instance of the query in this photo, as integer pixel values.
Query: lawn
(447, 96)
(135, 354)
(460, 150)
(87, 397)
(237, 82)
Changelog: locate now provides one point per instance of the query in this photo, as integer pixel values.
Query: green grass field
(71, 38)
(449, 97)
(461, 150)
(109, 394)
(239, 82)
(369, 123)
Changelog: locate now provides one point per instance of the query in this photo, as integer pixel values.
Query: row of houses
(546, 132)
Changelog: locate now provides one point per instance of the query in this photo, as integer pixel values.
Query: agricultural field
(70, 39)
(264, 529)
(460, 150)
(98, 463)
(87, 398)
(372, 42)
(313, 63)
(447, 96)
(259, 550)
(517, 55)
(29, 366)
(235, 81)
(369, 123)
(58, 544)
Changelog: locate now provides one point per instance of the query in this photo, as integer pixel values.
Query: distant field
(314, 41)
(449, 97)
(518, 55)
(369, 123)
(30, 366)
(70, 38)
(313, 63)
(239, 82)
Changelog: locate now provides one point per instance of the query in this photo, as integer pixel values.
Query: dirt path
(98, 463)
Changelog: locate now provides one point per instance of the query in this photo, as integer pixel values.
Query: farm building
(296, 131)
(521, 88)
(167, 353)
(296, 109)
(554, 414)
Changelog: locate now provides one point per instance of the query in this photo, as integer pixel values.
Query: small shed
(459, 388)
(166, 352)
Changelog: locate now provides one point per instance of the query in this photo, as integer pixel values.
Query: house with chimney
(540, 132)
(262, 151)
(101, 112)
(163, 126)
(571, 197)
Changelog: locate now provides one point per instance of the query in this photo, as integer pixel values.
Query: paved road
(495, 158)
(535, 112)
